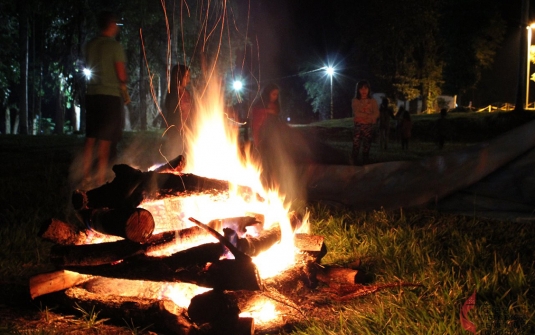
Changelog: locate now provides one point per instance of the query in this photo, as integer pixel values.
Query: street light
(87, 73)
(529, 28)
(237, 85)
(330, 72)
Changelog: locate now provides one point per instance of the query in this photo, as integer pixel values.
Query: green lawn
(450, 256)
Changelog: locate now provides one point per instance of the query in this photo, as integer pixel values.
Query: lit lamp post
(330, 71)
(529, 28)
(237, 85)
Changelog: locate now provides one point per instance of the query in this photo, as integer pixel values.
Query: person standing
(178, 108)
(386, 114)
(265, 111)
(365, 115)
(106, 89)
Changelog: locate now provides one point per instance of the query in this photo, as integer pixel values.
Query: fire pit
(211, 252)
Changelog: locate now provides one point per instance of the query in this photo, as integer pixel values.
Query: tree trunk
(60, 110)
(142, 86)
(7, 129)
(23, 61)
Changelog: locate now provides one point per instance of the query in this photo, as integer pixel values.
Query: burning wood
(133, 224)
(131, 186)
(182, 256)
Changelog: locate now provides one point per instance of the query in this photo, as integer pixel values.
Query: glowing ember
(264, 311)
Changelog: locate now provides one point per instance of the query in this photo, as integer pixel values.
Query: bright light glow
(263, 311)
(87, 73)
(330, 70)
(528, 63)
(237, 85)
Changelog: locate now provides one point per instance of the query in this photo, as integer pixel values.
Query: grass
(451, 256)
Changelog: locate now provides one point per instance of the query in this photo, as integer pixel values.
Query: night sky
(289, 31)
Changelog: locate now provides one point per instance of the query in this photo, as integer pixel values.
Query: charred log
(94, 254)
(158, 268)
(158, 315)
(131, 186)
(111, 252)
(214, 307)
(175, 165)
(134, 224)
(217, 312)
(198, 265)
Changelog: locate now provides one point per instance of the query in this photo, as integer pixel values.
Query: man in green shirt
(105, 58)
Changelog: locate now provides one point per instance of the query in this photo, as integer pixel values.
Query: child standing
(365, 115)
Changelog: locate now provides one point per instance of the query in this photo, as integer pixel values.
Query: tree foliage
(203, 34)
(421, 48)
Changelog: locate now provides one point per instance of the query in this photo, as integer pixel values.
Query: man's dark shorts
(104, 118)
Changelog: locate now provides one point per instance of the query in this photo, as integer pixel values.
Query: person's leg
(367, 132)
(357, 139)
(103, 154)
(88, 159)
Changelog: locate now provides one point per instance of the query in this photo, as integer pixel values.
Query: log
(253, 246)
(214, 307)
(55, 281)
(198, 265)
(238, 224)
(134, 224)
(177, 164)
(181, 266)
(94, 254)
(226, 269)
(160, 244)
(158, 315)
(217, 312)
(131, 186)
(111, 252)
(64, 233)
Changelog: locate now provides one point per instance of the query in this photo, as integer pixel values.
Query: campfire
(206, 248)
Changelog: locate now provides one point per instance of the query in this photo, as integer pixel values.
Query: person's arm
(120, 69)
(354, 107)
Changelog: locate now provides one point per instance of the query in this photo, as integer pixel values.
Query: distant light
(330, 70)
(87, 73)
(237, 85)
(288, 119)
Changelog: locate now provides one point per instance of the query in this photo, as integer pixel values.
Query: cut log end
(139, 226)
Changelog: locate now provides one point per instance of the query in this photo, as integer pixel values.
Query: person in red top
(365, 115)
(266, 109)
